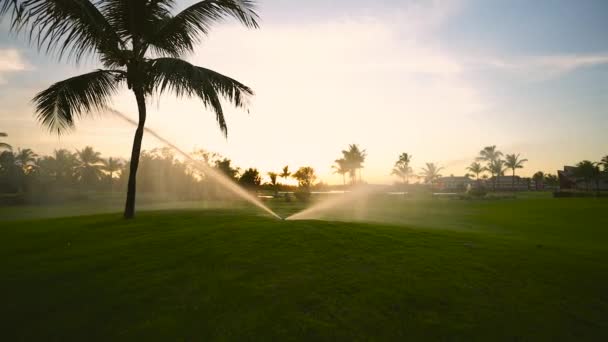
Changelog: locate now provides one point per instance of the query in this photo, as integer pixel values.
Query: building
(454, 184)
(511, 183)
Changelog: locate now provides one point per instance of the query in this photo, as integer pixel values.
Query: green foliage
(4, 145)
(250, 178)
(224, 165)
(305, 177)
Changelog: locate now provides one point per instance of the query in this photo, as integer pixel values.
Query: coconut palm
(273, 181)
(402, 167)
(4, 145)
(430, 173)
(25, 159)
(340, 167)
(354, 158)
(285, 172)
(138, 42)
(513, 162)
(476, 169)
(497, 168)
(490, 154)
(89, 167)
(111, 166)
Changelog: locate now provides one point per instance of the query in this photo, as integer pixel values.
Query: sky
(436, 79)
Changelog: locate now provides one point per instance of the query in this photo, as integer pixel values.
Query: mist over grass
(473, 270)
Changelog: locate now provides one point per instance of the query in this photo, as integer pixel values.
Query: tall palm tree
(477, 169)
(4, 145)
(354, 158)
(340, 167)
(64, 166)
(430, 173)
(490, 154)
(111, 166)
(89, 168)
(402, 167)
(26, 160)
(513, 162)
(139, 43)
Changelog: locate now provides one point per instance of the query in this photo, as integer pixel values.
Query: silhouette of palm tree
(430, 173)
(340, 167)
(89, 167)
(490, 154)
(477, 169)
(402, 167)
(26, 160)
(513, 162)
(354, 158)
(111, 166)
(138, 43)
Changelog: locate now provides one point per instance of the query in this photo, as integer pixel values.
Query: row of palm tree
(138, 43)
(84, 168)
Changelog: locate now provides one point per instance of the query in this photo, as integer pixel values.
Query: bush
(477, 192)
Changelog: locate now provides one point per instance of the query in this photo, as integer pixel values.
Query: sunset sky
(436, 79)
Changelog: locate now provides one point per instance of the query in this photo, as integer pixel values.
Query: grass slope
(222, 275)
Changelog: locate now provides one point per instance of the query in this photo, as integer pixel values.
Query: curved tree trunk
(139, 133)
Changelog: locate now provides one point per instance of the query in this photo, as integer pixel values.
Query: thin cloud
(10, 61)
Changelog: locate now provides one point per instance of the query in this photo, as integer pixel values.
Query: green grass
(523, 269)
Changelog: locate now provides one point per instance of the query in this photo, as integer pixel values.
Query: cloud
(543, 67)
(10, 61)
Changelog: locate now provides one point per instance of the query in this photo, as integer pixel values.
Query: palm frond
(72, 27)
(185, 79)
(57, 106)
(178, 34)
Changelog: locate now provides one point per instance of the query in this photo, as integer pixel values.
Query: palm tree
(138, 43)
(4, 145)
(497, 168)
(26, 160)
(431, 173)
(111, 166)
(402, 167)
(476, 168)
(341, 168)
(274, 183)
(513, 162)
(285, 172)
(490, 154)
(354, 158)
(89, 167)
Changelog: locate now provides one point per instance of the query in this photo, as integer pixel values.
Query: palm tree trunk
(513, 181)
(139, 134)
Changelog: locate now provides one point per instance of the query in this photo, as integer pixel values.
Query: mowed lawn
(522, 269)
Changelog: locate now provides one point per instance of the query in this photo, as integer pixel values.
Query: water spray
(206, 169)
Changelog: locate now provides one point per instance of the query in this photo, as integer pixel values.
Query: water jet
(210, 172)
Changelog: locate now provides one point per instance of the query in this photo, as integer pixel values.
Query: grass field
(517, 269)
